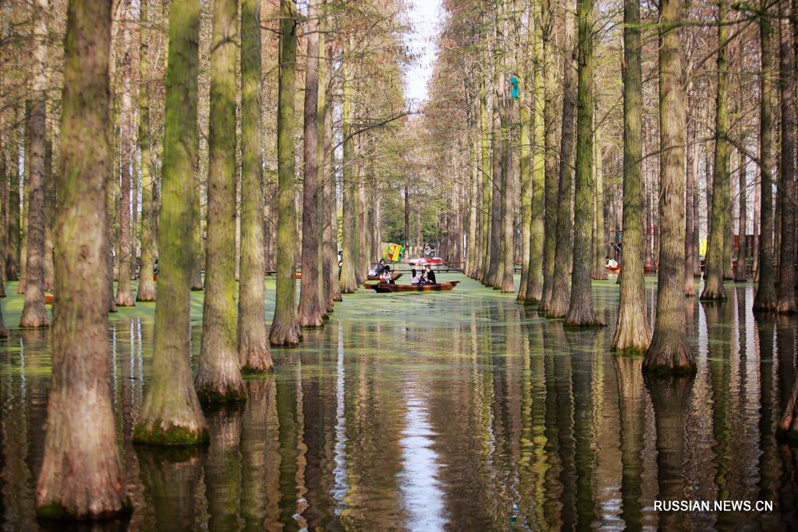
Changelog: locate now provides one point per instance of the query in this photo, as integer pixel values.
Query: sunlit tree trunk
(496, 270)
(632, 333)
(332, 287)
(766, 298)
(581, 312)
(716, 248)
(146, 288)
(534, 288)
(550, 164)
(285, 327)
(219, 377)
(171, 412)
(197, 240)
(311, 310)
(558, 305)
(4, 178)
(124, 293)
(321, 217)
(49, 218)
(689, 219)
(524, 103)
(599, 244)
(349, 229)
(253, 338)
(34, 313)
(487, 187)
(669, 352)
(81, 475)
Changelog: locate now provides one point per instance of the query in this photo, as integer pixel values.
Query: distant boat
(383, 288)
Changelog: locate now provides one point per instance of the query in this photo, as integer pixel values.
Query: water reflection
(459, 411)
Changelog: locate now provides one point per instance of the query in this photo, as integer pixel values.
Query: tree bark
(689, 219)
(171, 412)
(219, 377)
(558, 305)
(285, 326)
(49, 219)
(599, 243)
(717, 257)
(149, 249)
(787, 246)
(311, 310)
(581, 312)
(632, 334)
(550, 164)
(766, 297)
(332, 287)
(124, 292)
(253, 339)
(349, 229)
(81, 475)
(669, 352)
(487, 187)
(740, 273)
(12, 250)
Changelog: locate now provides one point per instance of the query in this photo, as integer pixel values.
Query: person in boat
(415, 277)
(380, 268)
(429, 275)
(385, 276)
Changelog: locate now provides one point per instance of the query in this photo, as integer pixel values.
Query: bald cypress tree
(631, 332)
(34, 313)
(285, 326)
(81, 474)
(219, 377)
(581, 312)
(669, 352)
(171, 413)
(311, 310)
(253, 339)
(766, 297)
(716, 256)
(149, 248)
(349, 238)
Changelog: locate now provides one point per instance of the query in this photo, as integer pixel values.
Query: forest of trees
(229, 139)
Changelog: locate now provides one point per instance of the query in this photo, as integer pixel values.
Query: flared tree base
(582, 318)
(216, 393)
(632, 336)
(668, 356)
(34, 316)
(146, 293)
(558, 307)
(254, 356)
(124, 298)
(766, 299)
(787, 305)
(160, 432)
(285, 334)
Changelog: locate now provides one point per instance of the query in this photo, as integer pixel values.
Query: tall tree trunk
(581, 312)
(550, 141)
(24, 201)
(4, 178)
(219, 377)
(534, 288)
(197, 239)
(508, 197)
(253, 338)
(349, 260)
(525, 170)
(599, 243)
(12, 250)
(473, 184)
(146, 288)
(631, 333)
(81, 475)
(124, 293)
(690, 174)
(766, 297)
(496, 270)
(171, 413)
(487, 187)
(740, 273)
(787, 246)
(311, 310)
(332, 286)
(669, 352)
(49, 218)
(716, 248)
(34, 313)
(321, 217)
(285, 327)
(558, 305)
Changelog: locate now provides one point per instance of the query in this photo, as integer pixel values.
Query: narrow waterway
(444, 411)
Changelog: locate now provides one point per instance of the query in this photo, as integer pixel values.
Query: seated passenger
(415, 277)
(385, 277)
(429, 276)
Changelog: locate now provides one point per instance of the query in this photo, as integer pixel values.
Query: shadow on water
(457, 411)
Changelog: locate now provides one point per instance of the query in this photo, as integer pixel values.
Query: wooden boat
(394, 276)
(383, 288)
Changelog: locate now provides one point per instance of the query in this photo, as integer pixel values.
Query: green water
(443, 411)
